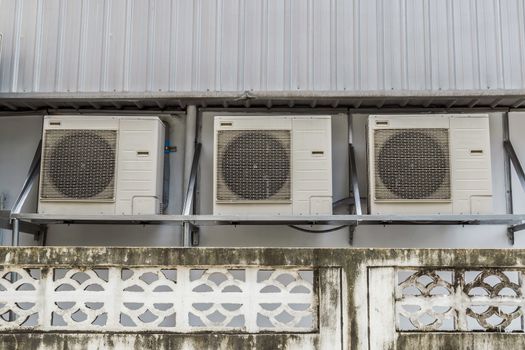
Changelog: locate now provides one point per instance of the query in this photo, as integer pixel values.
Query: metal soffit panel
(506, 99)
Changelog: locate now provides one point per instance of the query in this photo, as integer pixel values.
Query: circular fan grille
(414, 164)
(255, 165)
(81, 164)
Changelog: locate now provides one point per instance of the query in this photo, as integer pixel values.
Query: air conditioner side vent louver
(253, 165)
(79, 164)
(412, 164)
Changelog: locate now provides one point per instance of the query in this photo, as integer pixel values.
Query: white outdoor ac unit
(101, 165)
(429, 164)
(272, 165)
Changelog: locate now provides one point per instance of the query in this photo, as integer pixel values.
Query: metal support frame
(351, 234)
(511, 158)
(511, 154)
(511, 230)
(6, 222)
(515, 162)
(213, 220)
(190, 172)
(30, 180)
(507, 165)
(36, 223)
(352, 172)
(187, 233)
(353, 179)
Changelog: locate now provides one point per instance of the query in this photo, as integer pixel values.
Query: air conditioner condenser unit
(272, 165)
(429, 164)
(101, 165)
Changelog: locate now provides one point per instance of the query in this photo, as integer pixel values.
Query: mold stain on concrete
(353, 263)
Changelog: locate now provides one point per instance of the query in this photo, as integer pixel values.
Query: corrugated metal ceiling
(189, 48)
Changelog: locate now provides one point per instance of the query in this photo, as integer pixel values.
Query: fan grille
(253, 165)
(79, 165)
(412, 164)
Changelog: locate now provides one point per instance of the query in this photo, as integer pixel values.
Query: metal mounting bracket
(351, 234)
(189, 198)
(195, 235)
(511, 230)
(514, 160)
(352, 171)
(353, 180)
(30, 180)
(354, 184)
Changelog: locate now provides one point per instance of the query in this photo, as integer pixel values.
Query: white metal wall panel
(261, 45)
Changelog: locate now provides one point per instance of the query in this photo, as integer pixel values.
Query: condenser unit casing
(429, 164)
(108, 165)
(272, 165)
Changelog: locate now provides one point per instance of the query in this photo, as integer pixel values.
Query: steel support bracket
(354, 184)
(510, 235)
(352, 229)
(353, 180)
(26, 227)
(352, 171)
(187, 208)
(41, 236)
(31, 177)
(515, 161)
(195, 235)
(190, 235)
(511, 230)
(190, 191)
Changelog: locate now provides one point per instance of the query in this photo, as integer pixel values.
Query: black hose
(317, 231)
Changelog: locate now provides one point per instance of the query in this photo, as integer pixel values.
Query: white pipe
(16, 233)
(189, 150)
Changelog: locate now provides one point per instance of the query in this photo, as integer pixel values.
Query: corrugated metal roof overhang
(361, 100)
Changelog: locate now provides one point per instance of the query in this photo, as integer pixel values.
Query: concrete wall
(19, 137)
(348, 281)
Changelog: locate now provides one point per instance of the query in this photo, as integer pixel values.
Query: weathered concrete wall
(355, 266)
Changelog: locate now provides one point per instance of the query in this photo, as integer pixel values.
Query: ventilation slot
(412, 164)
(253, 165)
(79, 165)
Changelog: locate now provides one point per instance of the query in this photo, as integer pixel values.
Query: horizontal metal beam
(210, 220)
(490, 99)
(253, 95)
